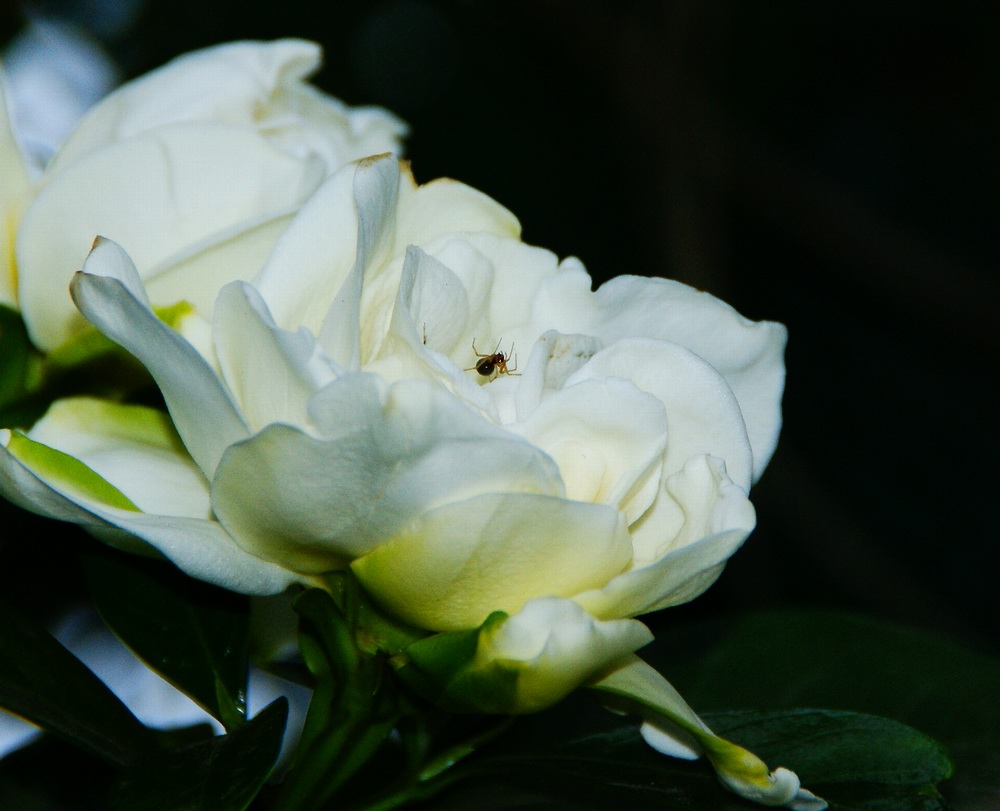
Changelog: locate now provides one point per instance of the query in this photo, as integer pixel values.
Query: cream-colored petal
(553, 359)
(31, 479)
(109, 294)
(233, 83)
(700, 518)
(15, 189)
(312, 259)
(703, 415)
(748, 354)
(134, 448)
(197, 272)
(384, 459)
(375, 190)
(271, 373)
(555, 647)
(603, 457)
(449, 568)
(445, 206)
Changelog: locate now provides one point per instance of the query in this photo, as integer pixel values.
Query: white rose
(195, 168)
(588, 463)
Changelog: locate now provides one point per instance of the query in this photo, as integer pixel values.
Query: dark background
(831, 165)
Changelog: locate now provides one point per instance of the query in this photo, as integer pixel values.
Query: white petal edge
(134, 448)
(198, 547)
(153, 195)
(703, 415)
(748, 354)
(109, 293)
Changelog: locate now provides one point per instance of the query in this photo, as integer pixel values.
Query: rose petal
(311, 261)
(134, 448)
(199, 547)
(316, 503)
(450, 567)
(703, 416)
(376, 187)
(556, 646)
(700, 518)
(445, 206)
(14, 193)
(602, 457)
(270, 372)
(748, 354)
(200, 406)
(248, 84)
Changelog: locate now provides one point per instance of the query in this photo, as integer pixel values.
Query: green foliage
(15, 356)
(786, 659)
(192, 634)
(597, 761)
(42, 682)
(220, 774)
(367, 745)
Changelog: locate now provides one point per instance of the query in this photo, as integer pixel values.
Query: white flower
(589, 461)
(195, 168)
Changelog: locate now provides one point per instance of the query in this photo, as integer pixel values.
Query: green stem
(435, 775)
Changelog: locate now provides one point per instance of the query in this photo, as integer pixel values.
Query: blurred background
(833, 165)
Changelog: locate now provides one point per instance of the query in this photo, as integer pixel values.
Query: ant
(493, 363)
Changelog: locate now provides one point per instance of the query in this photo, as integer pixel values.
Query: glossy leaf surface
(221, 774)
(44, 683)
(192, 634)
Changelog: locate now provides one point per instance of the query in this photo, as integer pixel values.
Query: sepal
(673, 728)
(519, 663)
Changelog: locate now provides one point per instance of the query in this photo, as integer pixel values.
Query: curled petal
(446, 206)
(134, 448)
(313, 257)
(271, 373)
(54, 484)
(748, 354)
(602, 457)
(555, 646)
(258, 85)
(109, 293)
(703, 415)
(699, 519)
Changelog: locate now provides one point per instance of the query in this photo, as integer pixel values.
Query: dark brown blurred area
(832, 165)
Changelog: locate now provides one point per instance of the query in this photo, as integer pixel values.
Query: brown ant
(494, 363)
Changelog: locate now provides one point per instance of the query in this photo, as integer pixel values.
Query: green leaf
(824, 659)
(44, 683)
(220, 774)
(581, 757)
(193, 634)
(15, 356)
(833, 746)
